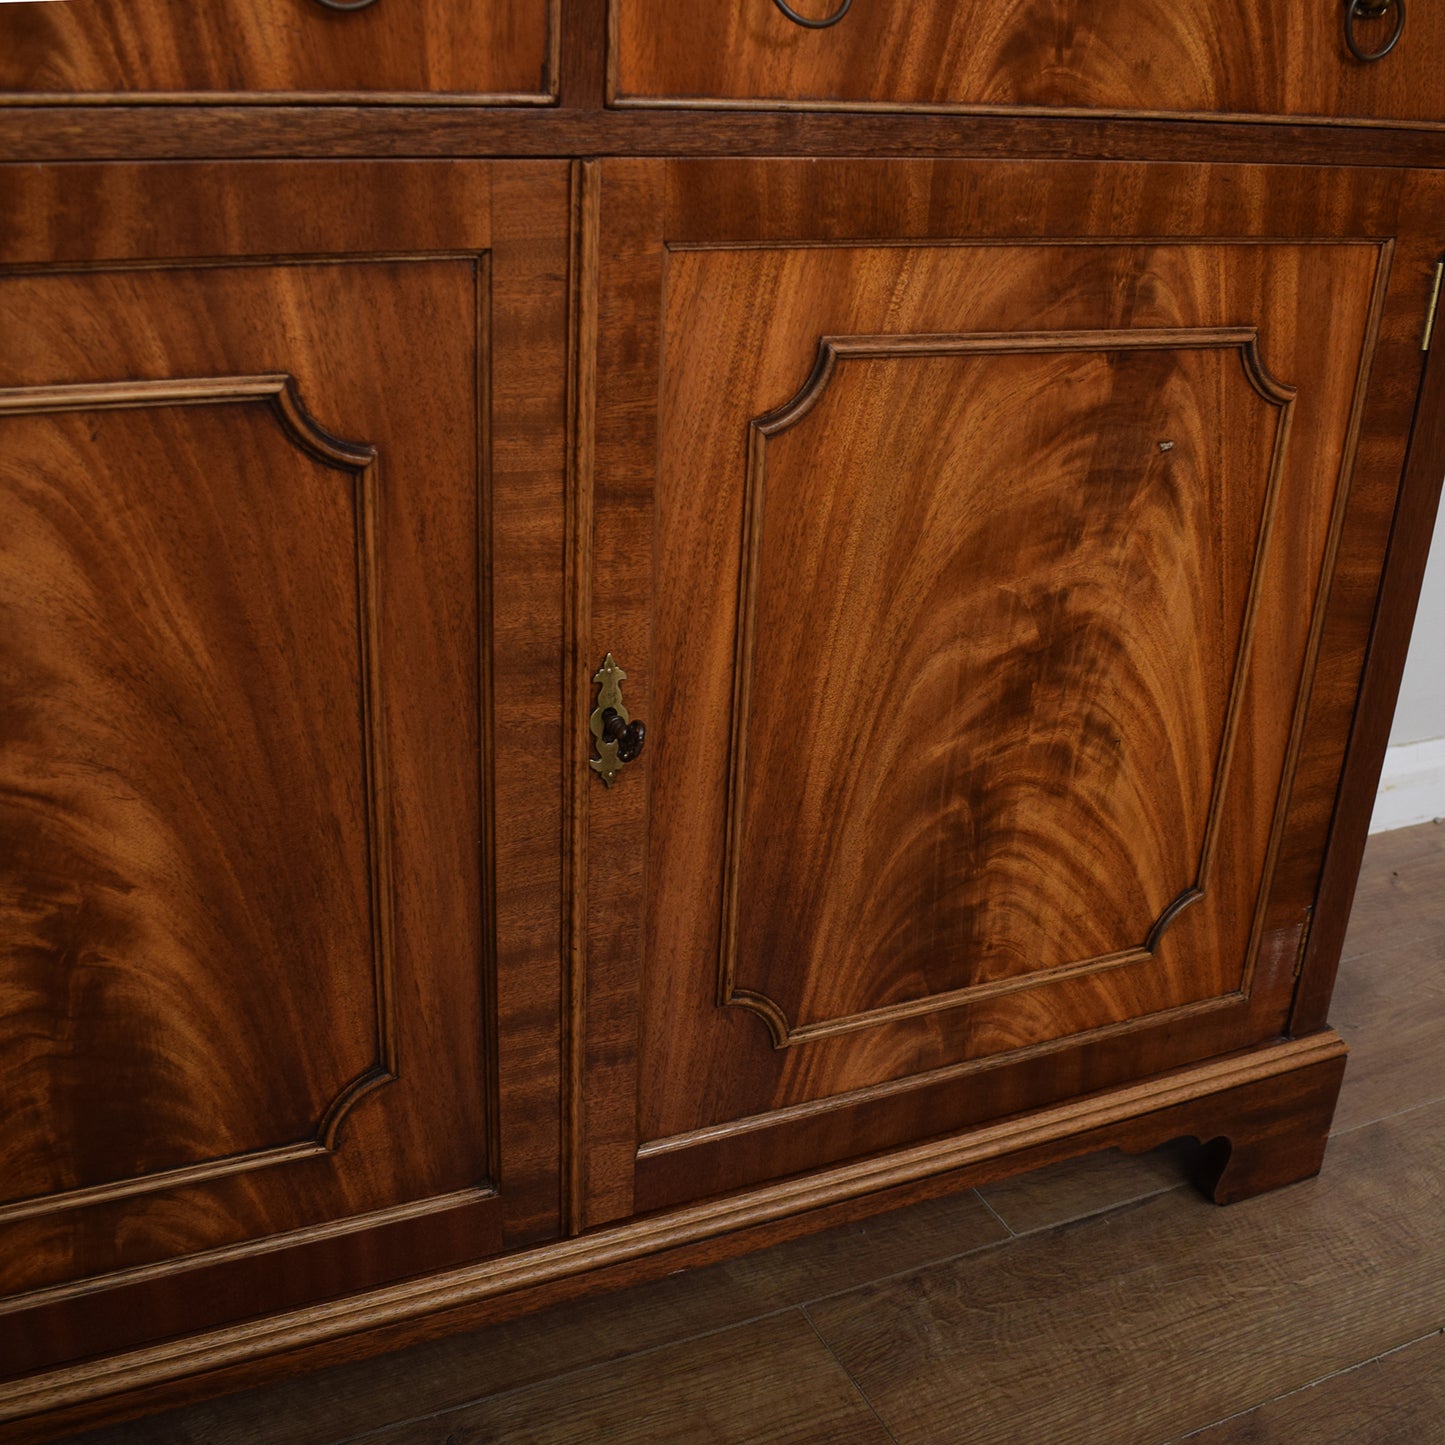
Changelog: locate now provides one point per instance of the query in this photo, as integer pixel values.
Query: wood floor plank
(1076, 1188)
(335, 1404)
(1390, 1008)
(771, 1382)
(1399, 895)
(1147, 1322)
(1397, 1400)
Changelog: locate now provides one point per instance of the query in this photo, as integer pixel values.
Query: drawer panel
(465, 51)
(1169, 56)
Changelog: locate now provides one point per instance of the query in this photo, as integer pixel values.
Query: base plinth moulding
(1263, 1116)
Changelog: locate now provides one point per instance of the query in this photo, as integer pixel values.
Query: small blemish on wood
(1166, 446)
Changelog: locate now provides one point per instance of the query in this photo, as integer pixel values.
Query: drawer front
(490, 51)
(1174, 56)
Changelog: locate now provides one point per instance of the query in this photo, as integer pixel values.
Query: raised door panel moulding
(52, 1066)
(833, 749)
(727, 1101)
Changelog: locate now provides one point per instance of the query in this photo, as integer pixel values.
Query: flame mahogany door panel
(967, 535)
(280, 646)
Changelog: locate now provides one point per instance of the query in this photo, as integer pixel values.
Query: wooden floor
(1099, 1302)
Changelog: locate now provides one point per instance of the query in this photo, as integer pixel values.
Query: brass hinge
(1434, 306)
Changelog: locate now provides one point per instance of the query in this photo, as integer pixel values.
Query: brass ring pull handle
(629, 736)
(1373, 10)
(346, 5)
(807, 24)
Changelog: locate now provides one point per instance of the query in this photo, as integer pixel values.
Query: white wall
(1420, 713)
(1412, 786)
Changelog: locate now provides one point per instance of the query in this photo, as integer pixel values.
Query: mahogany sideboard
(629, 628)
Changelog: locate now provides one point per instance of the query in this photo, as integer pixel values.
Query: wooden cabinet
(278, 987)
(999, 531)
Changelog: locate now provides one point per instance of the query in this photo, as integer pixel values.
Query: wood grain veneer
(740, 270)
(211, 131)
(1412, 527)
(987, 615)
(1197, 57)
(254, 673)
(131, 900)
(499, 52)
(979, 448)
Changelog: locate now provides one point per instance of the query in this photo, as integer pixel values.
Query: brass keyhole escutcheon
(617, 738)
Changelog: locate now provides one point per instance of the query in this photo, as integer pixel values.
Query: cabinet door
(280, 494)
(988, 549)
